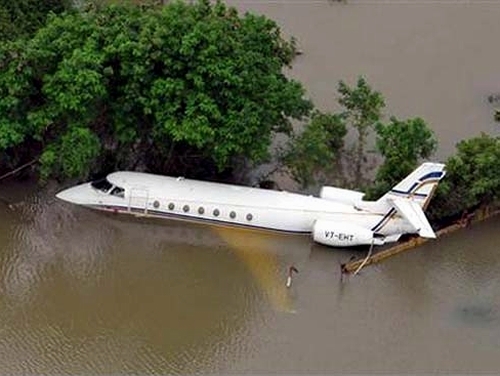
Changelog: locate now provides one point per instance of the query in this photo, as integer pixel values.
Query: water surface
(83, 292)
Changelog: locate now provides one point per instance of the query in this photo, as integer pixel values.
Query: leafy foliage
(319, 152)
(21, 18)
(472, 177)
(316, 150)
(402, 143)
(79, 146)
(362, 110)
(181, 80)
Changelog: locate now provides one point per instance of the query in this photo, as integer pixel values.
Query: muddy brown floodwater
(83, 292)
(436, 59)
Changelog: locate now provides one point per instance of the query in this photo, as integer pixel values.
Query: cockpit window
(103, 185)
(117, 191)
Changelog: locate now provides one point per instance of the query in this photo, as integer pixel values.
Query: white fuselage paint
(162, 196)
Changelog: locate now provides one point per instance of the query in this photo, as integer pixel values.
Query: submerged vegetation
(318, 154)
(197, 89)
(472, 179)
(400, 144)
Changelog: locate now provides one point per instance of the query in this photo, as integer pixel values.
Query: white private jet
(338, 217)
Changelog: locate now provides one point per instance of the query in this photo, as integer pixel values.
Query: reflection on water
(84, 292)
(81, 292)
(432, 59)
(482, 315)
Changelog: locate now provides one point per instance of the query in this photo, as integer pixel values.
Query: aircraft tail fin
(419, 186)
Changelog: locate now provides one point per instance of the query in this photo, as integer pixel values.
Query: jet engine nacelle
(343, 235)
(346, 196)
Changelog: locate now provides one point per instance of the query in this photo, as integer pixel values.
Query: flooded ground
(436, 59)
(82, 292)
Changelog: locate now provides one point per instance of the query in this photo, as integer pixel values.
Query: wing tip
(427, 233)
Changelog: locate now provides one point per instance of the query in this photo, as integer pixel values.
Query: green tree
(168, 89)
(315, 153)
(472, 178)
(402, 144)
(362, 110)
(80, 147)
(21, 18)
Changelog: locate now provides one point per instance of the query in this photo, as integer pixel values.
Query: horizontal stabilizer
(414, 214)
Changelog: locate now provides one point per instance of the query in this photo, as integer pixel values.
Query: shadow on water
(83, 292)
(472, 259)
(266, 256)
(482, 315)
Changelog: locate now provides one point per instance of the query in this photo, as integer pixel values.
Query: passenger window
(117, 191)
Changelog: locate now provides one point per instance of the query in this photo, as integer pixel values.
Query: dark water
(81, 292)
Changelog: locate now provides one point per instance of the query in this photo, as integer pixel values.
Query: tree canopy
(362, 110)
(163, 88)
(320, 153)
(316, 152)
(472, 177)
(21, 18)
(402, 145)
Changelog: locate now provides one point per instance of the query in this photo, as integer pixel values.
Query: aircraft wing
(414, 214)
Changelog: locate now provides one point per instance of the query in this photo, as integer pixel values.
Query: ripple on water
(477, 315)
(50, 234)
(89, 293)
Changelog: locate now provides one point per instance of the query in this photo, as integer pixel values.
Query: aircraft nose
(75, 195)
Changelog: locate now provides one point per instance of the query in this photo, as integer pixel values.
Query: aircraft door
(138, 200)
